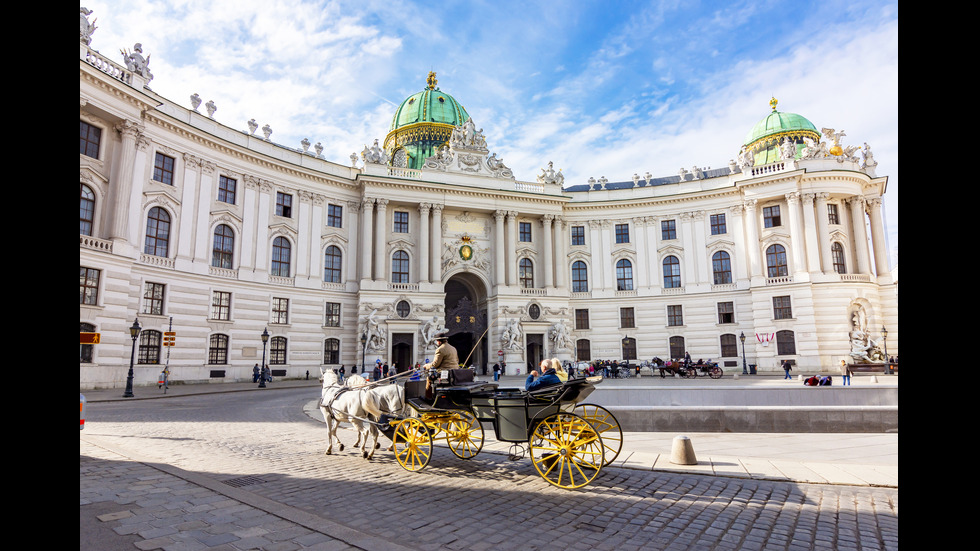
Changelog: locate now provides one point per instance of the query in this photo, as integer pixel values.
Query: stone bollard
(682, 451)
(735, 376)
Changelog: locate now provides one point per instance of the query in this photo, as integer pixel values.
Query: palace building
(214, 236)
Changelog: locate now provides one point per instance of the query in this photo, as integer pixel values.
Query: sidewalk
(818, 458)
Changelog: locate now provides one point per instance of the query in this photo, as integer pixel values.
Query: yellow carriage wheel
(608, 427)
(464, 433)
(566, 450)
(413, 444)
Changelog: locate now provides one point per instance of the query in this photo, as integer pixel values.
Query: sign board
(89, 338)
(169, 338)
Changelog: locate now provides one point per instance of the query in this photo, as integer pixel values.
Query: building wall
(445, 211)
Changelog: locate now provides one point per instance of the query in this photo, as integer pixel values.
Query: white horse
(357, 404)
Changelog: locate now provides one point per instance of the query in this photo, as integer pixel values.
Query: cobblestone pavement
(247, 471)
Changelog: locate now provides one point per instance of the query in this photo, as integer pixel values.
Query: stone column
(810, 230)
(640, 272)
(796, 232)
(752, 238)
(380, 240)
(499, 246)
(860, 235)
(121, 189)
(250, 220)
(561, 246)
(511, 248)
(689, 271)
(823, 234)
(549, 257)
(435, 247)
(263, 247)
(350, 221)
(367, 238)
(204, 236)
(741, 260)
(702, 263)
(424, 242)
(654, 266)
(878, 236)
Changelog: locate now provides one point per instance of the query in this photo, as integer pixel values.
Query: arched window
(580, 277)
(157, 232)
(526, 268)
(277, 351)
(281, 250)
(583, 350)
(224, 247)
(672, 272)
(785, 343)
(149, 347)
(624, 275)
(399, 267)
(629, 348)
(331, 351)
(86, 210)
(837, 253)
(677, 348)
(331, 264)
(729, 346)
(721, 265)
(218, 349)
(776, 261)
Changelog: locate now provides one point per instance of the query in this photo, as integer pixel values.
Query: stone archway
(466, 318)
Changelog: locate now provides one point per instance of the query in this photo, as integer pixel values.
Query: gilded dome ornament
(431, 81)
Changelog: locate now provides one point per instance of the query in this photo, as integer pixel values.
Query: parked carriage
(569, 441)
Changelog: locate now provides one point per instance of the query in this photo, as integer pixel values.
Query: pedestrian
(496, 372)
(267, 374)
(845, 371)
(787, 367)
(341, 372)
(384, 371)
(255, 373)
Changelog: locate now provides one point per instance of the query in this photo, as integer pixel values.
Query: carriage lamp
(742, 338)
(265, 339)
(134, 332)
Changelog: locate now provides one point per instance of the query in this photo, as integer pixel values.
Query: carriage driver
(445, 358)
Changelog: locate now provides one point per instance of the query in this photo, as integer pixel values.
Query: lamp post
(134, 332)
(742, 338)
(363, 350)
(265, 339)
(884, 343)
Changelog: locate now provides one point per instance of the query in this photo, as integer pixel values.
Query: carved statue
(195, 101)
(869, 160)
(375, 154)
(135, 61)
(85, 28)
(511, 339)
(863, 348)
(814, 150)
(560, 336)
(375, 336)
(430, 330)
(787, 150)
(746, 159)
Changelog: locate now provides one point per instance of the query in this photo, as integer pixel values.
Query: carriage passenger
(547, 377)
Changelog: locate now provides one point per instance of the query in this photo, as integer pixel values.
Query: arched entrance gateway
(466, 318)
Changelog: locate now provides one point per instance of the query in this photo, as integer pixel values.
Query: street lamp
(363, 350)
(265, 339)
(134, 332)
(742, 338)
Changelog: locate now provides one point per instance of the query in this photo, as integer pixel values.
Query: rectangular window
(781, 308)
(525, 232)
(401, 222)
(221, 305)
(280, 310)
(153, 299)
(226, 189)
(626, 318)
(832, 215)
(581, 318)
(284, 205)
(583, 350)
(771, 216)
(578, 235)
(89, 139)
(718, 224)
(668, 230)
(88, 285)
(726, 312)
(622, 233)
(333, 315)
(163, 169)
(675, 316)
(335, 215)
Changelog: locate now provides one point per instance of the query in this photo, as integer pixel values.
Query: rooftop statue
(86, 29)
(135, 61)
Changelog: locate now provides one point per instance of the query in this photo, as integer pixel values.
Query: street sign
(169, 338)
(500, 352)
(89, 338)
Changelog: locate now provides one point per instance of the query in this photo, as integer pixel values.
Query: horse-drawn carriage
(569, 441)
(688, 371)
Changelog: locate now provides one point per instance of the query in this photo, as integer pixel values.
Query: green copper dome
(422, 124)
(768, 134)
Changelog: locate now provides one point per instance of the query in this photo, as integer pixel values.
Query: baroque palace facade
(218, 235)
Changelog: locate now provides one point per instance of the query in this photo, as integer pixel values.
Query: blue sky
(601, 88)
